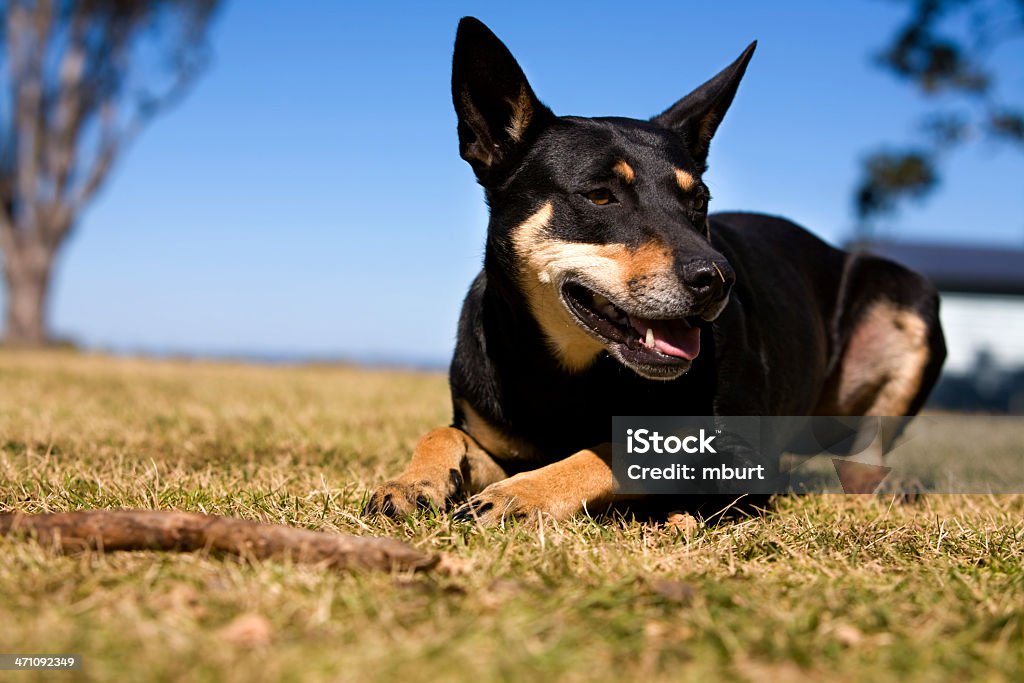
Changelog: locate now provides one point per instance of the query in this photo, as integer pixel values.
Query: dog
(607, 289)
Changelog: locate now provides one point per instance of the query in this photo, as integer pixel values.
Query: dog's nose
(709, 280)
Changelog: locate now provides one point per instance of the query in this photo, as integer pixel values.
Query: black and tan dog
(607, 289)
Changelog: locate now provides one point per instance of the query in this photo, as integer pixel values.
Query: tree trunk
(27, 270)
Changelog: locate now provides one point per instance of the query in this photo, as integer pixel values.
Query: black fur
(771, 351)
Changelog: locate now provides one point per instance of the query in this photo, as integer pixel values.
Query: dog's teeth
(610, 311)
(650, 337)
(600, 301)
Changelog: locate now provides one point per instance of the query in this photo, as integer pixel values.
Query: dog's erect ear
(697, 115)
(499, 116)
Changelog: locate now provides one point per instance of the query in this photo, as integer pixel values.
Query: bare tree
(78, 79)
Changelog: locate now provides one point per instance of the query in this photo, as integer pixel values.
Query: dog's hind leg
(447, 464)
(888, 342)
(889, 351)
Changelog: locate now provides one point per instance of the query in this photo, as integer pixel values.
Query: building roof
(956, 268)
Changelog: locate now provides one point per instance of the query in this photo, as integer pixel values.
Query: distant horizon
(264, 356)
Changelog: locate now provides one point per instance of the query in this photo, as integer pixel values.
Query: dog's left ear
(697, 115)
(499, 116)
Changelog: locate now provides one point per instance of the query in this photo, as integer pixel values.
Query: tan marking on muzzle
(624, 171)
(685, 180)
(545, 261)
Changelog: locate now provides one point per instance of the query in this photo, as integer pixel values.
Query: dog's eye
(601, 197)
(699, 202)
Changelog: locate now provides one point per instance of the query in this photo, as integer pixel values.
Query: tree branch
(114, 139)
(69, 113)
(27, 47)
(110, 143)
(170, 530)
(6, 235)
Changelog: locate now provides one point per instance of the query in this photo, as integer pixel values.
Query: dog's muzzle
(658, 339)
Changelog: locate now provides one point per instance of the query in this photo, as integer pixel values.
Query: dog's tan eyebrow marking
(685, 180)
(624, 170)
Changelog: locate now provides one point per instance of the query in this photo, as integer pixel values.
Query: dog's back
(849, 333)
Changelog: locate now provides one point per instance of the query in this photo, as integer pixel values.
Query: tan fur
(685, 180)
(438, 451)
(522, 113)
(879, 375)
(624, 171)
(473, 115)
(428, 474)
(559, 490)
(707, 126)
(611, 269)
(492, 439)
(883, 364)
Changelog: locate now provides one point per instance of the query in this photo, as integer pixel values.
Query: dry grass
(827, 587)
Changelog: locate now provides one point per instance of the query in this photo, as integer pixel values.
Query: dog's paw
(524, 497)
(399, 497)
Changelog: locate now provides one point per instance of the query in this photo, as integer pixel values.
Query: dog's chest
(559, 414)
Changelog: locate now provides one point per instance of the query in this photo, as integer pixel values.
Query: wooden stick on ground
(187, 531)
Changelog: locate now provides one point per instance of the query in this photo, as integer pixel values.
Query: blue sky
(308, 196)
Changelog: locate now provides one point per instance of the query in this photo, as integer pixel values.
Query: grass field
(822, 588)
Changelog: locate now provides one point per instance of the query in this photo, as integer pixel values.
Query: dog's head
(600, 223)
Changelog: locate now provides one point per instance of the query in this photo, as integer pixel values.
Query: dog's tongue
(671, 337)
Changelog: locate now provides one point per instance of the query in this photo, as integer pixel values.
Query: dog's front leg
(583, 481)
(447, 464)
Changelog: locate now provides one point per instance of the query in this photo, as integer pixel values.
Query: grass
(823, 587)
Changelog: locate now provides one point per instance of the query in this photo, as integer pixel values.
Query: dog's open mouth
(649, 342)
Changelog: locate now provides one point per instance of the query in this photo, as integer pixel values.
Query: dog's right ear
(499, 116)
